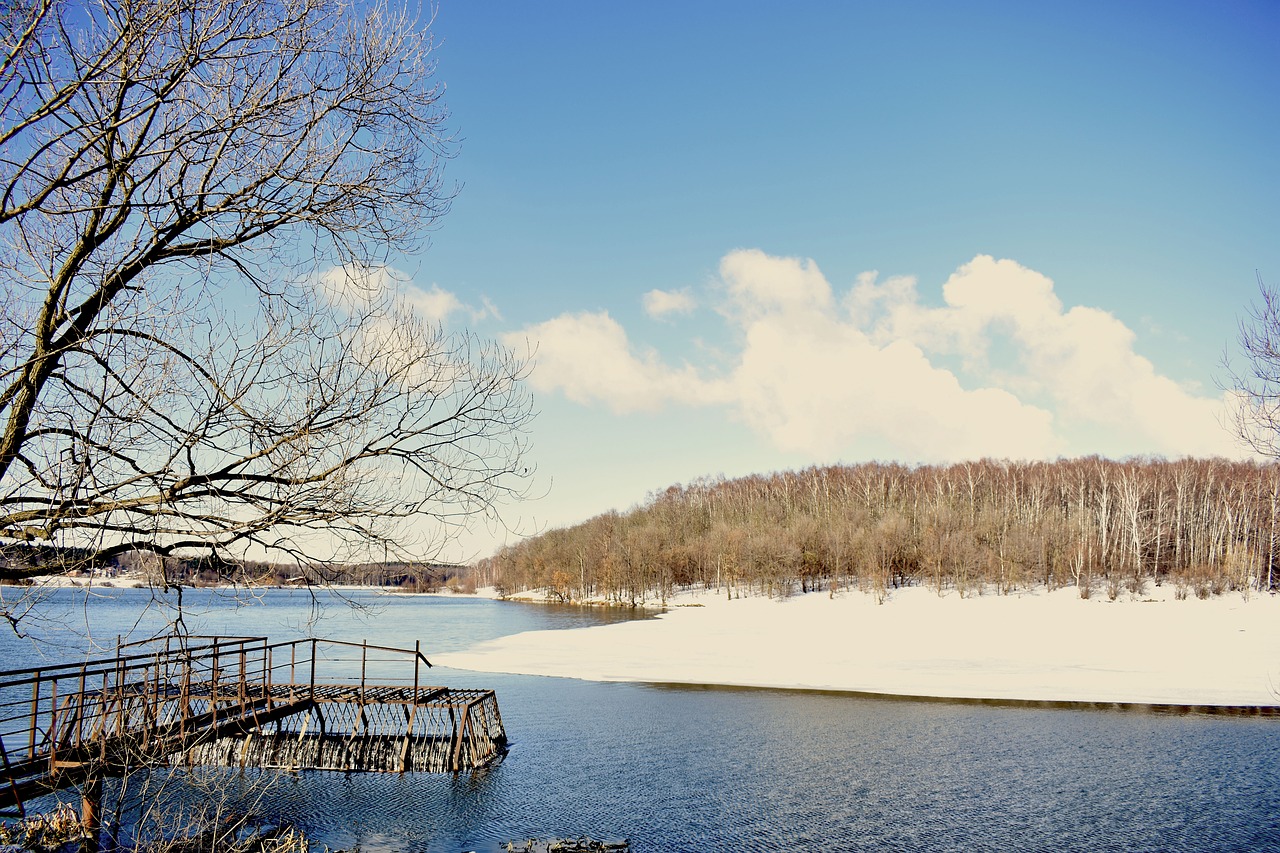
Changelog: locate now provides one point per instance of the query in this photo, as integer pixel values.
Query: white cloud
(356, 286)
(434, 305)
(824, 390)
(828, 375)
(660, 304)
(487, 309)
(588, 358)
(817, 383)
(761, 285)
(1080, 361)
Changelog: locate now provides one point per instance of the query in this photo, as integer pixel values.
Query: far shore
(1033, 646)
(138, 582)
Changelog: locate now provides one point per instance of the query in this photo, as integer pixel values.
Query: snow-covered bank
(1034, 646)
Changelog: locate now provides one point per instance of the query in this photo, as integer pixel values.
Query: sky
(744, 237)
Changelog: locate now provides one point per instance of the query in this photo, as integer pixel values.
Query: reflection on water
(678, 769)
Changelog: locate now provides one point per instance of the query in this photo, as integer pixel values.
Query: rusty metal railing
(160, 699)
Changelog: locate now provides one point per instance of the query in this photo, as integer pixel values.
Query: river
(713, 769)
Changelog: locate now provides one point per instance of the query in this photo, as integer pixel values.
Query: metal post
(53, 724)
(79, 717)
(156, 699)
(35, 710)
(104, 710)
(119, 688)
(91, 811)
(269, 675)
(243, 686)
(213, 685)
(461, 735)
(417, 656)
(184, 701)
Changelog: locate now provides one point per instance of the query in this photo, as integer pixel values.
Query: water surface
(680, 768)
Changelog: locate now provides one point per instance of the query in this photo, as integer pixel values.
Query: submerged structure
(235, 701)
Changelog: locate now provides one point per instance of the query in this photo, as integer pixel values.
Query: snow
(1038, 646)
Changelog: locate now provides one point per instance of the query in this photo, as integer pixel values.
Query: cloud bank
(999, 368)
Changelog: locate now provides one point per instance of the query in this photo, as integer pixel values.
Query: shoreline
(1151, 652)
(1044, 648)
(1158, 708)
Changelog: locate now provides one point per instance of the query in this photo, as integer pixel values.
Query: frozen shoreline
(1034, 646)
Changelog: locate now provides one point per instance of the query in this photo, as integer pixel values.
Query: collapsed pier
(309, 704)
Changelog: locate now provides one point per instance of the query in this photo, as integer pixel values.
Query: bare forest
(1106, 528)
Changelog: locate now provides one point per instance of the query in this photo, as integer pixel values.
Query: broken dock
(235, 701)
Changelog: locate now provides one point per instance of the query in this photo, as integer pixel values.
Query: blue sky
(753, 236)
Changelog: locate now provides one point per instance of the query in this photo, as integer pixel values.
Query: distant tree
(196, 349)
(1256, 382)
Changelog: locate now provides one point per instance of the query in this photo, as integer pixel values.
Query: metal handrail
(6, 676)
(98, 693)
(69, 722)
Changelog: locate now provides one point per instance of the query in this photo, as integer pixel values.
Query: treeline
(20, 562)
(1106, 527)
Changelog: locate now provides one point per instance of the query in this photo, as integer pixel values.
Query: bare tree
(1257, 382)
(198, 203)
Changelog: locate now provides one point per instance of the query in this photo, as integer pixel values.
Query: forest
(1104, 527)
(21, 563)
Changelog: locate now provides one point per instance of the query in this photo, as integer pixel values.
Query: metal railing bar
(135, 661)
